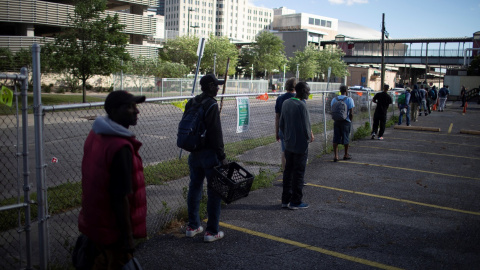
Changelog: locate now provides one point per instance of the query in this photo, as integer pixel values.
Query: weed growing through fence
(263, 179)
(362, 132)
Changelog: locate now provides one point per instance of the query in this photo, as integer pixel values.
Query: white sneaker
(210, 237)
(191, 232)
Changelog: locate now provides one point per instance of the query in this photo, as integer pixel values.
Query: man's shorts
(341, 132)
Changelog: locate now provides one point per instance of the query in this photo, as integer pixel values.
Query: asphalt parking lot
(411, 201)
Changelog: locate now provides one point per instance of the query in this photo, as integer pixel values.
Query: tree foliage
(222, 47)
(313, 63)
(181, 50)
(92, 44)
(156, 67)
(268, 53)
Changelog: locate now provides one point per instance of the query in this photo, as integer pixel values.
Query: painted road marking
(408, 169)
(420, 152)
(450, 128)
(430, 141)
(398, 200)
(309, 247)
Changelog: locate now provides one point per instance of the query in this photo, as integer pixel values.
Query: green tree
(223, 49)
(332, 58)
(6, 60)
(92, 44)
(474, 67)
(269, 53)
(181, 50)
(307, 63)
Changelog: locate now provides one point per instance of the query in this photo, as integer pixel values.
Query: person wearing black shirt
(383, 100)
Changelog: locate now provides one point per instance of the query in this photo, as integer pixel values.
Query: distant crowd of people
(421, 99)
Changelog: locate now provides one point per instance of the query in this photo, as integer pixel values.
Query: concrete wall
(455, 83)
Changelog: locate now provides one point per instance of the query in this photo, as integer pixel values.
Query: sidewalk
(410, 201)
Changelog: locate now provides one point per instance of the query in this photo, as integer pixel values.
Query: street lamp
(188, 26)
(214, 62)
(298, 74)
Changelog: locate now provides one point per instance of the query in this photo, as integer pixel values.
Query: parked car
(361, 96)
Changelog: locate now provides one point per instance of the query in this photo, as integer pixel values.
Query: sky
(403, 18)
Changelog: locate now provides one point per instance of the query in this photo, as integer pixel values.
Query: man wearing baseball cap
(114, 206)
(202, 162)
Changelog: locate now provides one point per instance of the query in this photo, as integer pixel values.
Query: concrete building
(24, 22)
(238, 20)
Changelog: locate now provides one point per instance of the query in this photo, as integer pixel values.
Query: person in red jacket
(114, 206)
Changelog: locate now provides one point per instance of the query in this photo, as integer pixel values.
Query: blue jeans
(293, 177)
(201, 165)
(407, 115)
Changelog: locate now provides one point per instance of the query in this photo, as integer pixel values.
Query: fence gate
(15, 221)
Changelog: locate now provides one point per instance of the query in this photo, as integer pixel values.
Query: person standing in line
(383, 100)
(290, 92)
(415, 101)
(463, 95)
(428, 102)
(341, 129)
(433, 95)
(423, 101)
(295, 125)
(114, 205)
(202, 162)
(442, 97)
(405, 108)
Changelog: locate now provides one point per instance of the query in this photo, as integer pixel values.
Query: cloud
(347, 2)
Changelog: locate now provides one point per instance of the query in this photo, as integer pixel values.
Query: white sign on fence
(243, 114)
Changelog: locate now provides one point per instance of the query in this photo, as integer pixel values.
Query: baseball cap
(210, 78)
(118, 98)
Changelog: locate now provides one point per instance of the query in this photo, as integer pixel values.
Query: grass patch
(166, 171)
(60, 199)
(237, 148)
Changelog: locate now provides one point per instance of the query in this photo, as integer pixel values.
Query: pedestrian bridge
(422, 51)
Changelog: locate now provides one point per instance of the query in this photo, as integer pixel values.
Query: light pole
(214, 63)
(298, 73)
(188, 22)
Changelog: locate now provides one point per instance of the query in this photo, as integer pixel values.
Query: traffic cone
(434, 107)
(465, 108)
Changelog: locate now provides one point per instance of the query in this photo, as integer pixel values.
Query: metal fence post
(325, 122)
(37, 109)
(26, 184)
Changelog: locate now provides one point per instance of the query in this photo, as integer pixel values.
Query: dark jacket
(214, 137)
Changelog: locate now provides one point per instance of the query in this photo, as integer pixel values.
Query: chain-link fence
(64, 131)
(15, 221)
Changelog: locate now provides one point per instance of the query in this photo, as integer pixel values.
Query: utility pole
(214, 63)
(382, 81)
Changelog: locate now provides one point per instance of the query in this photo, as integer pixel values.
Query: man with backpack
(342, 113)
(442, 97)
(202, 161)
(415, 99)
(383, 100)
(404, 106)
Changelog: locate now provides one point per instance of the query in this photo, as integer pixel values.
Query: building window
(329, 24)
(311, 21)
(317, 21)
(324, 23)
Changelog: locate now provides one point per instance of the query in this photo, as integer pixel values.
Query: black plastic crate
(231, 182)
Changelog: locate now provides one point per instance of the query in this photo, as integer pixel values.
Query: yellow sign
(6, 96)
